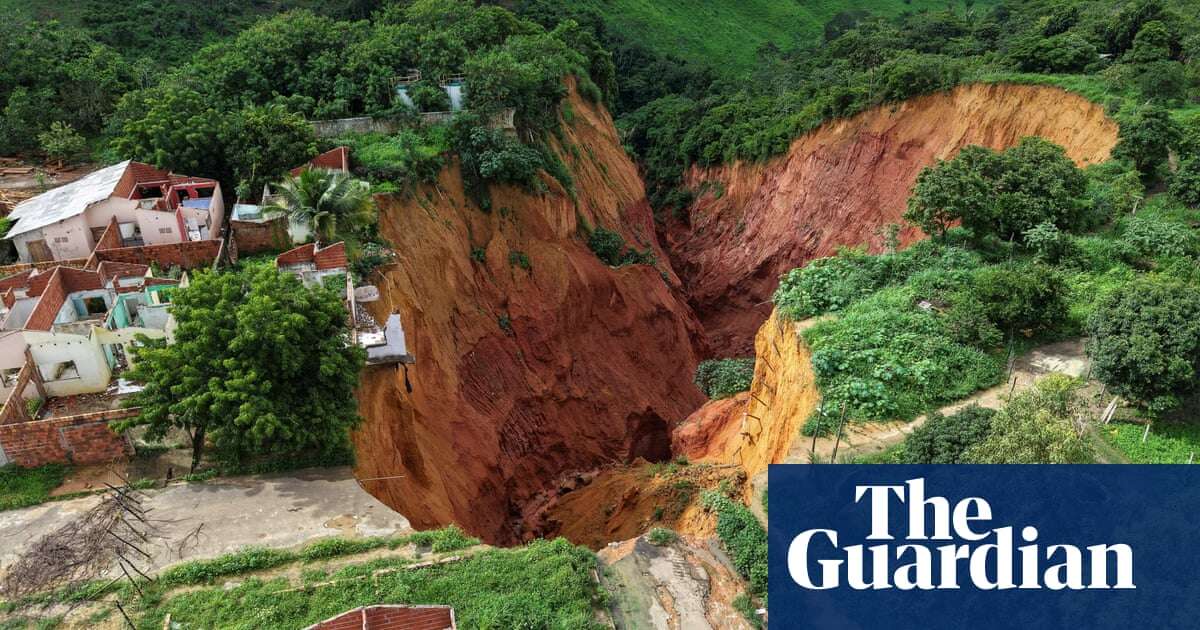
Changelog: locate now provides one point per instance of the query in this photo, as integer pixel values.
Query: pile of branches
(108, 540)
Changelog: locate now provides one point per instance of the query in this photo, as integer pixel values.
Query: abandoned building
(327, 266)
(151, 206)
(65, 337)
(261, 227)
(391, 618)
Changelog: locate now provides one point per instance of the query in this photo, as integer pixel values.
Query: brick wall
(111, 238)
(8, 270)
(52, 298)
(188, 255)
(253, 236)
(81, 439)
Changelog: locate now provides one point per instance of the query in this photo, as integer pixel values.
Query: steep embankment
(756, 429)
(523, 375)
(839, 184)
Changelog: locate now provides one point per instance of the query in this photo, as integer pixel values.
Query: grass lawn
(546, 584)
(1168, 442)
(727, 33)
(22, 487)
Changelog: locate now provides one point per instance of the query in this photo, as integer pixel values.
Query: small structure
(260, 227)
(150, 206)
(391, 618)
(313, 264)
(317, 266)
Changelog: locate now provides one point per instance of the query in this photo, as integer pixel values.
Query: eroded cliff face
(758, 428)
(840, 184)
(522, 375)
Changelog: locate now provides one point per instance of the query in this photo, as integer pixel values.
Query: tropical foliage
(329, 202)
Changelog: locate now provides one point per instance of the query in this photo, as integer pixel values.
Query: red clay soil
(707, 432)
(840, 184)
(522, 375)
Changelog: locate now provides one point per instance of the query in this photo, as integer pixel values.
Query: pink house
(151, 207)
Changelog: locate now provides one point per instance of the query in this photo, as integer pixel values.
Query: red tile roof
(334, 159)
(391, 618)
(325, 258)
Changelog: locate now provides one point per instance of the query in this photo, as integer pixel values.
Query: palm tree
(326, 200)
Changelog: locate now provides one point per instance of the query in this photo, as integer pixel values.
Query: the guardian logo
(948, 546)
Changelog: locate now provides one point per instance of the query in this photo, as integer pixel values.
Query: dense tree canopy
(1144, 342)
(1000, 194)
(260, 366)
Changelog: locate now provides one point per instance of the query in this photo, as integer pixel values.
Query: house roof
(66, 201)
(337, 159)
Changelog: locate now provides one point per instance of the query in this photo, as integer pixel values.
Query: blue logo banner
(1082, 547)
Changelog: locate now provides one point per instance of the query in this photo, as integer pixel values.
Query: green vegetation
(944, 439)
(1042, 425)
(546, 584)
(259, 367)
(1000, 195)
(743, 538)
(1144, 340)
(609, 246)
(688, 29)
(22, 487)
(722, 378)
(662, 536)
(330, 203)
(1166, 442)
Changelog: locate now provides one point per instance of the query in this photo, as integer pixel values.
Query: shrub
(661, 536)
(1152, 237)
(61, 142)
(943, 439)
(722, 378)
(519, 259)
(1185, 183)
(1020, 296)
(609, 246)
(1038, 426)
(1144, 342)
(22, 487)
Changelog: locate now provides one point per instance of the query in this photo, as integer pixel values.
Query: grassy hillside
(726, 33)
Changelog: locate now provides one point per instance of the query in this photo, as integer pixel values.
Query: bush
(1020, 296)
(62, 143)
(1185, 183)
(1144, 342)
(722, 378)
(609, 246)
(1038, 426)
(1152, 237)
(943, 439)
(661, 536)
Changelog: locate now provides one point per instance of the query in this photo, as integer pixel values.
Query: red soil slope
(523, 376)
(840, 184)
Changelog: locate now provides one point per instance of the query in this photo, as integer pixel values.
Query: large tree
(260, 365)
(1146, 139)
(1000, 194)
(1144, 342)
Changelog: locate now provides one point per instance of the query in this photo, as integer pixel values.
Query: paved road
(228, 514)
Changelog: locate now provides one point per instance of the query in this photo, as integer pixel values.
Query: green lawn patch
(547, 584)
(1167, 443)
(22, 487)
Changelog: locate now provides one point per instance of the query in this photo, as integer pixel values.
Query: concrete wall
(50, 349)
(69, 238)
